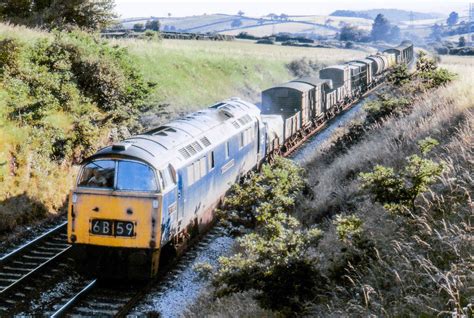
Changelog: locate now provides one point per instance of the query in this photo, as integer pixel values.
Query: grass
(192, 74)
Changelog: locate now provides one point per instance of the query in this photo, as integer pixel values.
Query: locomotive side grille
(197, 146)
(236, 124)
(184, 153)
(205, 142)
(191, 149)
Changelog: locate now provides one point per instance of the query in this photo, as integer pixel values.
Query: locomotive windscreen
(118, 175)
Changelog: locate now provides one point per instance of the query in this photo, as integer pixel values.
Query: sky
(257, 8)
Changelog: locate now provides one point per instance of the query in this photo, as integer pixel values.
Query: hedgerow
(67, 91)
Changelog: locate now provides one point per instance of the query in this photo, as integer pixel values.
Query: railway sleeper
(20, 269)
(61, 245)
(10, 274)
(102, 305)
(118, 300)
(51, 249)
(92, 312)
(45, 253)
(39, 258)
(27, 264)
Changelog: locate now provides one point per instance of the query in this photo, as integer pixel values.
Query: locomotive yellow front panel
(117, 220)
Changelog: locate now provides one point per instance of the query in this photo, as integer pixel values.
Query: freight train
(156, 190)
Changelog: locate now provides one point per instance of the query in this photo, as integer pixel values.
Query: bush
(277, 264)
(275, 260)
(61, 95)
(397, 192)
(400, 75)
(265, 41)
(261, 196)
(304, 67)
(385, 106)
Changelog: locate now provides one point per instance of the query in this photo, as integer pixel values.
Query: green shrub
(261, 196)
(10, 50)
(385, 106)
(397, 192)
(348, 227)
(431, 76)
(400, 75)
(277, 264)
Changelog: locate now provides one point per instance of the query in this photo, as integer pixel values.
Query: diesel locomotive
(156, 190)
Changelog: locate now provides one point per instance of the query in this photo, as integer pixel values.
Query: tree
(462, 41)
(380, 28)
(240, 13)
(236, 23)
(152, 25)
(395, 34)
(453, 18)
(284, 17)
(272, 16)
(138, 27)
(436, 32)
(350, 33)
(91, 14)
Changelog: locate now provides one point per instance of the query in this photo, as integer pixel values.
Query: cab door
(170, 204)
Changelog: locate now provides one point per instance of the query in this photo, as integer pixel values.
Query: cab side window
(167, 176)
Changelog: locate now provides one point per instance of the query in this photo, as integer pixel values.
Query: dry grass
(424, 264)
(435, 112)
(234, 306)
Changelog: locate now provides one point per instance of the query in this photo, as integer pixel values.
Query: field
(193, 74)
(282, 27)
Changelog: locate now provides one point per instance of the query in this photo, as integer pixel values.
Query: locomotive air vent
(205, 142)
(197, 146)
(236, 124)
(191, 149)
(184, 153)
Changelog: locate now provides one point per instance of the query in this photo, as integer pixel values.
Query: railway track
(21, 269)
(104, 299)
(95, 297)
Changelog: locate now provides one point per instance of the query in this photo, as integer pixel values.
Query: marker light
(74, 198)
(155, 204)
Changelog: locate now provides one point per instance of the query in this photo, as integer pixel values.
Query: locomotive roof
(356, 63)
(298, 86)
(185, 138)
(315, 81)
(336, 67)
(366, 61)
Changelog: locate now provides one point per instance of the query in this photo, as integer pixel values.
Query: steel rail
(61, 311)
(33, 271)
(24, 247)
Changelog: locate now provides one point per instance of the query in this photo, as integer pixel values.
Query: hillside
(223, 23)
(394, 15)
(64, 95)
